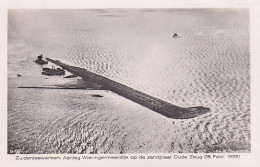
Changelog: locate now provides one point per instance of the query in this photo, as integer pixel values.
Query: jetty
(167, 109)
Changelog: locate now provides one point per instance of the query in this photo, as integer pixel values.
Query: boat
(53, 71)
(175, 35)
(40, 61)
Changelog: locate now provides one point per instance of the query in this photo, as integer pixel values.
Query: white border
(248, 159)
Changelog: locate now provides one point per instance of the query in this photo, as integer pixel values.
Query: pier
(155, 104)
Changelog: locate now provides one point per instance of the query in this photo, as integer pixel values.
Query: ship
(40, 61)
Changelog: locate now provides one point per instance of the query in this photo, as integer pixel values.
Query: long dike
(155, 104)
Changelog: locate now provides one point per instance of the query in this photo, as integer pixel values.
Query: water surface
(207, 66)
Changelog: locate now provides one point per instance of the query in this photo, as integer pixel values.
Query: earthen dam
(155, 104)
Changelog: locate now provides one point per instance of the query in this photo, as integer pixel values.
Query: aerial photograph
(128, 81)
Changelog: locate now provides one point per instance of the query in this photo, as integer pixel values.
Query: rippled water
(207, 66)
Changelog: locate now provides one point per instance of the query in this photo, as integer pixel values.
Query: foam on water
(207, 66)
